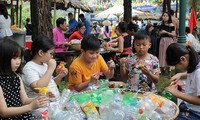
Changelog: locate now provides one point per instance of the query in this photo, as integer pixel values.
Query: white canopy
(115, 11)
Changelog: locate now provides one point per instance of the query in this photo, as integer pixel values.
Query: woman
(5, 21)
(167, 33)
(78, 34)
(124, 45)
(107, 30)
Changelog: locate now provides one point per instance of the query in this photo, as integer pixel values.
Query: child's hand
(172, 89)
(145, 70)
(63, 72)
(123, 61)
(52, 64)
(175, 78)
(111, 64)
(40, 101)
(94, 78)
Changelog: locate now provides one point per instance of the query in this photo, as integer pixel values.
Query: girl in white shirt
(186, 58)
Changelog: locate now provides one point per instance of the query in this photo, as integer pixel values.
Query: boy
(86, 69)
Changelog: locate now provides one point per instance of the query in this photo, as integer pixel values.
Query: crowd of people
(140, 55)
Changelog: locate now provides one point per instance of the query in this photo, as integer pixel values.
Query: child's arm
(63, 72)
(44, 80)
(149, 74)
(178, 76)
(185, 97)
(24, 98)
(13, 111)
(123, 69)
(120, 47)
(110, 72)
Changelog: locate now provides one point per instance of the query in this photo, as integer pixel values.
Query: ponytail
(193, 59)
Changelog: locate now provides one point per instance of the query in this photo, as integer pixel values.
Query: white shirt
(105, 33)
(193, 88)
(195, 42)
(33, 72)
(5, 26)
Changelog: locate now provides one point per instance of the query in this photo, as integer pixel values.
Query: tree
(41, 18)
(166, 5)
(127, 10)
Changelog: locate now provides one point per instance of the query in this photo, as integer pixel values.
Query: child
(38, 72)
(141, 68)
(85, 69)
(185, 58)
(15, 105)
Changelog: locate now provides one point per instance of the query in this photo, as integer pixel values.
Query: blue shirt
(72, 25)
(87, 26)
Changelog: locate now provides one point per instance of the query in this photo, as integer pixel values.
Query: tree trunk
(127, 10)
(41, 18)
(166, 5)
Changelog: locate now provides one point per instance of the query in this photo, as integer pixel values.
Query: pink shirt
(59, 38)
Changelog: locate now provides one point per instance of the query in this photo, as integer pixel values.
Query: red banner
(193, 20)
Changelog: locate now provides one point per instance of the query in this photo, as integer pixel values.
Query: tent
(115, 11)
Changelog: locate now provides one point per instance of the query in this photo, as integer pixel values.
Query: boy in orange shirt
(86, 69)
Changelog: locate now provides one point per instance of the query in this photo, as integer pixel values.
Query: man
(86, 69)
(72, 22)
(87, 24)
(58, 35)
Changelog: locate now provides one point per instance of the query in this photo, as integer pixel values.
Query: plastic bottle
(167, 95)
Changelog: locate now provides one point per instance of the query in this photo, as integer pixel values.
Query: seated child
(86, 68)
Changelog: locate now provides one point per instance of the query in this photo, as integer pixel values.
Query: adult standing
(107, 30)
(167, 33)
(175, 20)
(72, 22)
(28, 26)
(87, 24)
(5, 21)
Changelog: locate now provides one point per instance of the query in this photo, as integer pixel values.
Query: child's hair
(40, 43)
(122, 27)
(141, 35)
(60, 21)
(90, 42)
(9, 49)
(175, 51)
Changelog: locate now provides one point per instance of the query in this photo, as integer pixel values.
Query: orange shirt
(79, 72)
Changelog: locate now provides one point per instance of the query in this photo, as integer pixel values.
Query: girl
(185, 58)
(15, 105)
(167, 32)
(38, 72)
(142, 68)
